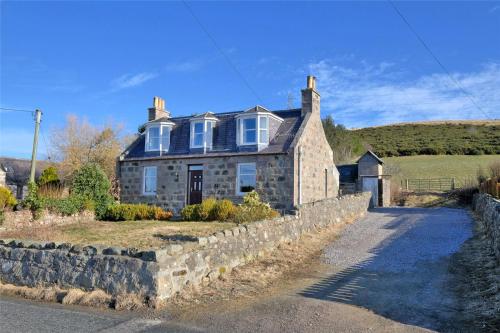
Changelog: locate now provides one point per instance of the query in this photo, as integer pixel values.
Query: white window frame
(144, 175)
(164, 134)
(207, 142)
(238, 174)
(258, 116)
(148, 137)
(261, 129)
(244, 130)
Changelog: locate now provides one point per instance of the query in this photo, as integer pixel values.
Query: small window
(263, 130)
(158, 138)
(198, 132)
(249, 130)
(165, 138)
(153, 138)
(246, 180)
(149, 180)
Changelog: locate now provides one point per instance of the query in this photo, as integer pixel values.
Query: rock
(89, 250)
(112, 251)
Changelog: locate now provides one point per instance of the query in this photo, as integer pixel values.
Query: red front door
(195, 186)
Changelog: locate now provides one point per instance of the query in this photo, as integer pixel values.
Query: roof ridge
(232, 112)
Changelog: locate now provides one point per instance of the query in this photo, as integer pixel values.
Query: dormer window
(253, 127)
(158, 136)
(202, 128)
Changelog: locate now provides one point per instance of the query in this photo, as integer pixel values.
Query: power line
(44, 138)
(17, 110)
(445, 70)
(224, 55)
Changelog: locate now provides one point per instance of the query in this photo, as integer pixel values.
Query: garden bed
(137, 234)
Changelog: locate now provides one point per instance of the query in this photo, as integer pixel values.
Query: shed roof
(372, 154)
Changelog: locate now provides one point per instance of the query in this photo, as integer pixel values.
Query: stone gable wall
(274, 180)
(316, 156)
(159, 274)
(489, 210)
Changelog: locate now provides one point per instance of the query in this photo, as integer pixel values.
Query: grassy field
(138, 234)
(461, 167)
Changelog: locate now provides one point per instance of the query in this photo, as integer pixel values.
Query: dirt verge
(477, 276)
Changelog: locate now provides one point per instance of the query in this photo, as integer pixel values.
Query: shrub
(135, 212)
(33, 201)
(253, 209)
(205, 210)
(190, 213)
(91, 182)
(66, 206)
(7, 199)
(49, 176)
(224, 210)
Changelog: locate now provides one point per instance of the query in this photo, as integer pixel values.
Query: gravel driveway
(395, 263)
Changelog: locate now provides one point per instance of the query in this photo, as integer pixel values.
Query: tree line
(413, 139)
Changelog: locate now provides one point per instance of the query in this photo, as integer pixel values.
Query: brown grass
(425, 199)
(48, 294)
(138, 234)
(96, 298)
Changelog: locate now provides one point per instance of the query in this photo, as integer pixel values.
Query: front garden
(87, 213)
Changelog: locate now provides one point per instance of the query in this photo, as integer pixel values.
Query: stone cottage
(283, 155)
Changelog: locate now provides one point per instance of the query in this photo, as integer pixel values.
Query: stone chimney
(158, 110)
(310, 97)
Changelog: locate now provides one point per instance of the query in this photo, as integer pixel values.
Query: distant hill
(460, 137)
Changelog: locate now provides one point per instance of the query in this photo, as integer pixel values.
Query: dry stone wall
(159, 274)
(489, 210)
(23, 219)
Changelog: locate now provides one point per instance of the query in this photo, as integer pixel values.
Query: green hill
(432, 138)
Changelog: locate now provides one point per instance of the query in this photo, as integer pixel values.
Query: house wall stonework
(319, 177)
(274, 179)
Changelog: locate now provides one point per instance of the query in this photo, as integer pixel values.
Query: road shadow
(405, 276)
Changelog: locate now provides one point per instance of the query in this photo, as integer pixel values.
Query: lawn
(138, 234)
(461, 167)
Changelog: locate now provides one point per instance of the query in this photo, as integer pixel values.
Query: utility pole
(38, 118)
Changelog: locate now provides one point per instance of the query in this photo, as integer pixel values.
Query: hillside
(462, 168)
(433, 138)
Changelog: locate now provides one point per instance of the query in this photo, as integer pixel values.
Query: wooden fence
(491, 186)
(429, 184)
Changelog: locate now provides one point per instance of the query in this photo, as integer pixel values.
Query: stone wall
(159, 274)
(23, 219)
(488, 209)
(274, 179)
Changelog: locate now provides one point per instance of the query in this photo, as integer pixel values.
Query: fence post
(453, 183)
(407, 184)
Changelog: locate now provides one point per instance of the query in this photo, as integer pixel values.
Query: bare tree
(79, 142)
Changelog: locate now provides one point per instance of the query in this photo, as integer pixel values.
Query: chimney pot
(311, 82)
(158, 109)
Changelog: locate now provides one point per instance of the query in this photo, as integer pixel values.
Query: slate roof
(370, 153)
(224, 138)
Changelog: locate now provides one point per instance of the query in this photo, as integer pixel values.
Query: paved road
(386, 273)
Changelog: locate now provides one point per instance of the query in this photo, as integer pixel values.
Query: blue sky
(106, 60)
